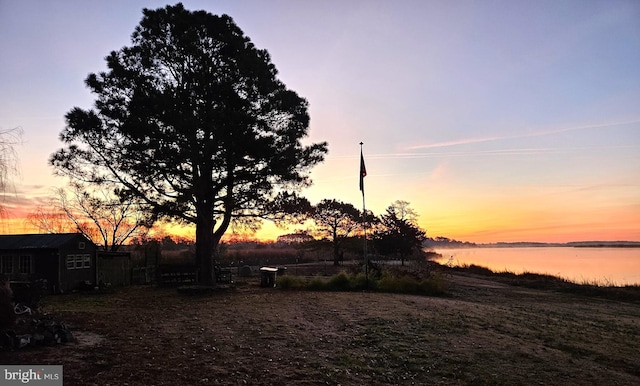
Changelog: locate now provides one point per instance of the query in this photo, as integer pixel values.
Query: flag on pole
(363, 171)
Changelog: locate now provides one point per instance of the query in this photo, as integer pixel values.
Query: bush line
(434, 285)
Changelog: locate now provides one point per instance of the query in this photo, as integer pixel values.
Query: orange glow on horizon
(488, 229)
(479, 220)
(510, 225)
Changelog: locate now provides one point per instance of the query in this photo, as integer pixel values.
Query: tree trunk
(336, 254)
(204, 249)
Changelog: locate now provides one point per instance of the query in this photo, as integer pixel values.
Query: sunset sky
(497, 120)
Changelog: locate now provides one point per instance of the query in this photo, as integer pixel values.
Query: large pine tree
(192, 120)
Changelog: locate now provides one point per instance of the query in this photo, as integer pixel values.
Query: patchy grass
(604, 290)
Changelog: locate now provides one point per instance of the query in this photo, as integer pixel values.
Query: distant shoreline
(562, 245)
(525, 244)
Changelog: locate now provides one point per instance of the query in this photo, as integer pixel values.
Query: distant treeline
(605, 244)
(574, 244)
(445, 242)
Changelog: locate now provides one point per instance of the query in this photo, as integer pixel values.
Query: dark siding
(73, 278)
(49, 253)
(45, 266)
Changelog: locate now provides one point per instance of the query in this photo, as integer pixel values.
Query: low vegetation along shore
(477, 328)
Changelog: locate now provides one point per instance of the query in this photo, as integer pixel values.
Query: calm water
(613, 266)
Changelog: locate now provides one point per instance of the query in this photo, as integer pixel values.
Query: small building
(113, 268)
(65, 260)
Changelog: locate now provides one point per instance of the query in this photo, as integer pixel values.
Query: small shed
(113, 268)
(65, 260)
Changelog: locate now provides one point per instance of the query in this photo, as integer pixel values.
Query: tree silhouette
(399, 233)
(100, 214)
(336, 221)
(8, 158)
(192, 122)
(50, 218)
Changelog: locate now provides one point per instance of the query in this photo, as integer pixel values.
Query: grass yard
(481, 332)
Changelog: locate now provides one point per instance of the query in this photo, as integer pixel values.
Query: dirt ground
(481, 332)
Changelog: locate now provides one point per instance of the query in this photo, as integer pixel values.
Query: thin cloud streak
(468, 141)
(497, 152)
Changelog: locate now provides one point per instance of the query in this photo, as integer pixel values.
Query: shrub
(339, 282)
(359, 282)
(290, 282)
(436, 284)
(399, 284)
(317, 284)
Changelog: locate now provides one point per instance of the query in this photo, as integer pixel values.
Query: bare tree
(403, 211)
(50, 218)
(8, 158)
(102, 215)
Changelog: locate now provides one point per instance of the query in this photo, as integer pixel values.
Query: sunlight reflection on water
(606, 266)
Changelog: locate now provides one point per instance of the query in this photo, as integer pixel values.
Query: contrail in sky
(467, 141)
(497, 152)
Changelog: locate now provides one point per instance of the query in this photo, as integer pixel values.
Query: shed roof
(39, 241)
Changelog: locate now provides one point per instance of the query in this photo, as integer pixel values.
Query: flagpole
(363, 173)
